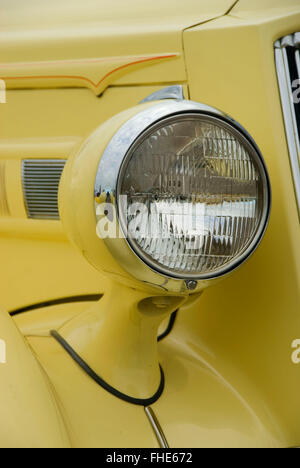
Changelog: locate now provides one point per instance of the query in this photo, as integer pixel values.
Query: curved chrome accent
(170, 92)
(161, 438)
(287, 100)
(106, 188)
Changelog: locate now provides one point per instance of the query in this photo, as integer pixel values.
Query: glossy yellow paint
(33, 249)
(78, 216)
(93, 417)
(248, 322)
(119, 343)
(95, 74)
(201, 406)
(28, 409)
(230, 380)
(102, 334)
(56, 114)
(77, 191)
(95, 44)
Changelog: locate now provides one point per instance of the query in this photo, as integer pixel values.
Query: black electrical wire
(53, 302)
(96, 377)
(105, 385)
(169, 327)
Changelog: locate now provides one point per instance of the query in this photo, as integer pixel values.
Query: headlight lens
(193, 196)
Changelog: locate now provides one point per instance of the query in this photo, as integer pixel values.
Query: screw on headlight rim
(191, 284)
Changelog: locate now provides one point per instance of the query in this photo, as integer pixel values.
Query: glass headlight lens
(193, 196)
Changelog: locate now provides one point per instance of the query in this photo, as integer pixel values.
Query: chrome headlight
(190, 188)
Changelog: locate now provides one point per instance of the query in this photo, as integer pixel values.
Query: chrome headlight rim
(260, 229)
(122, 146)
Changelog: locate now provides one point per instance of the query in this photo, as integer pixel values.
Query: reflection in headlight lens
(194, 195)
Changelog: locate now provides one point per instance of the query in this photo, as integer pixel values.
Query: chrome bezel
(108, 175)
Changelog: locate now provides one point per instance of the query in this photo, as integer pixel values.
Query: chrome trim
(106, 188)
(292, 40)
(170, 92)
(288, 106)
(191, 285)
(122, 220)
(297, 39)
(40, 180)
(161, 438)
(287, 41)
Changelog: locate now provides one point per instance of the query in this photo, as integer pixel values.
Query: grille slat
(287, 57)
(44, 196)
(41, 179)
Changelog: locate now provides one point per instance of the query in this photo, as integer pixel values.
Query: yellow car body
(231, 379)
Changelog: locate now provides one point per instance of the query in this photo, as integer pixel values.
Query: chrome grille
(287, 56)
(41, 179)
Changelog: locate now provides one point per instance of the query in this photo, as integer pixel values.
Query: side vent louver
(41, 179)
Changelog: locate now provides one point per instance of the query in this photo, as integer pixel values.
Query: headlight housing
(188, 187)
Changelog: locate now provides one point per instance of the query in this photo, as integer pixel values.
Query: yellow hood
(94, 43)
